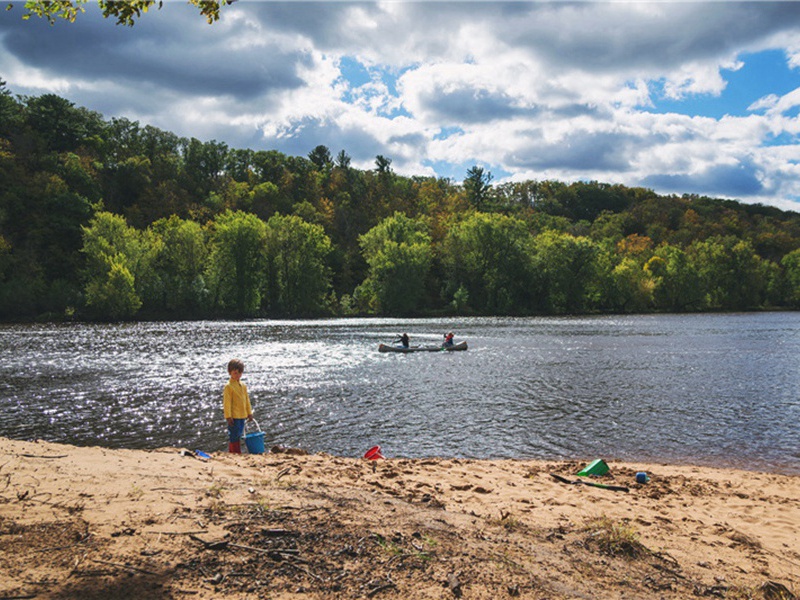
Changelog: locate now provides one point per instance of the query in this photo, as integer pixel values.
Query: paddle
(616, 488)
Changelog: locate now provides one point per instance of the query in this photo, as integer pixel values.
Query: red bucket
(374, 453)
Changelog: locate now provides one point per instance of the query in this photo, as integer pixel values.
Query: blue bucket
(255, 441)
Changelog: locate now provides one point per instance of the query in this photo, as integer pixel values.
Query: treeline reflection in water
(710, 389)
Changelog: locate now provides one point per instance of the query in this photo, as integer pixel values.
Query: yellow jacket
(235, 401)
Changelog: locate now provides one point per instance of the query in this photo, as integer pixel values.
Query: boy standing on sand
(236, 405)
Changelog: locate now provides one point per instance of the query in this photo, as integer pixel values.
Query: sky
(678, 97)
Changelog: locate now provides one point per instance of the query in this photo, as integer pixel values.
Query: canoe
(453, 348)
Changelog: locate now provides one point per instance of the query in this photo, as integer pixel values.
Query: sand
(99, 523)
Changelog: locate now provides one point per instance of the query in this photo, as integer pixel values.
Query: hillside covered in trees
(114, 220)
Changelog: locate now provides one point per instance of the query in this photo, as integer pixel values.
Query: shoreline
(787, 468)
(93, 522)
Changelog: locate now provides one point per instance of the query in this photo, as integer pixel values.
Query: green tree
(236, 264)
(398, 252)
(118, 267)
(298, 274)
(113, 296)
(478, 186)
(488, 255)
(204, 166)
(383, 164)
(567, 268)
(633, 286)
(791, 274)
(59, 124)
(180, 265)
(677, 282)
(343, 160)
(321, 158)
(732, 274)
(10, 112)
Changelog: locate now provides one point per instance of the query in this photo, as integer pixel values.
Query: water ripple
(714, 389)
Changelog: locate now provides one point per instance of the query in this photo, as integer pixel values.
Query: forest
(114, 220)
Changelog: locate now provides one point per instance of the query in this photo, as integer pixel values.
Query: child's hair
(235, 365)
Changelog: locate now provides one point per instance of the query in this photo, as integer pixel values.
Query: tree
(113, 296)
(204, 166)
(115, 255)
(632, 287)
(126, 13)
(298, 275)
(10, 111)
(180, 264)
(676, 280)
(321, 158)
(731, 273)
(236, 264)
(478, 185)
(567, 267)
(488, 255)
(383, 164)
(791, 274)
(398, 252)
(59, 124)
(343, 160)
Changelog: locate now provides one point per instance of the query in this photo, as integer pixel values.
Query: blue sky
(679, 97)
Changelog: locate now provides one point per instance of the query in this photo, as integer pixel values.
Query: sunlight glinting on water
(702, 388)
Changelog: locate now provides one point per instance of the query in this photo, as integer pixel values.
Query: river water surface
(719, 390)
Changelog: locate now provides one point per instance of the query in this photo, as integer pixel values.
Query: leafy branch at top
(126, 13)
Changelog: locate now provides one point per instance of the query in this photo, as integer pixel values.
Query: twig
(283, 472)
(177, 532)
(213, 545)
(266, 550)
(304, 570)
(380, 588)
(43, 456)
(389, 584)
(20, 597)
(122, 566)
(277, 532)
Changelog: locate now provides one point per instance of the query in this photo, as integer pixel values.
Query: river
(717, 389)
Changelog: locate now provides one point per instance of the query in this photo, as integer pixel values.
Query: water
(709, 389)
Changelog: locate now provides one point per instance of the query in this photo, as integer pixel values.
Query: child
(236, 404)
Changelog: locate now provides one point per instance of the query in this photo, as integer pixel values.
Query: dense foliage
(125, 12)
(114, 220)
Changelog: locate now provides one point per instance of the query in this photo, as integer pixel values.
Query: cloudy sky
(679, 97)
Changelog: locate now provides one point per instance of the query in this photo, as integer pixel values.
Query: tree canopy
(117, 220)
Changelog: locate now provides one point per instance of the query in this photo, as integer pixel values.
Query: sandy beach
(92, 522)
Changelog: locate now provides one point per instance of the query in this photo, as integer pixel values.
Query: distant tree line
(113, 220)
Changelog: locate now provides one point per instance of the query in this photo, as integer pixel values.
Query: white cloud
(535, 89)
